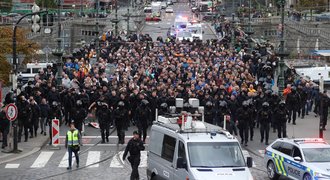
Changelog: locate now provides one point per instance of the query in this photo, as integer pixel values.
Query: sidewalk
(28, 148)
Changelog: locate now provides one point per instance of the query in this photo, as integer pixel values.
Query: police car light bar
(310, 140)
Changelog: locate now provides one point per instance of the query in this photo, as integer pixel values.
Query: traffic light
(35, 19)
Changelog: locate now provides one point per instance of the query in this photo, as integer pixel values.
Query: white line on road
(11, 166)
(65, 162)
(93, 157)
(117, 160)
(42, 159)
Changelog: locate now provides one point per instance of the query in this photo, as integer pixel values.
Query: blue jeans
(70, 150)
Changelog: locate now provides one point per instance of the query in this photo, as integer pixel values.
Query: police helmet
(79, 103)
(163, 106)
(282, 103)
(144, 102)
(293, 88)
(54, 103)
(245, 103)
(223, 104)
(265, 104)
(121, 104)
(209, 103)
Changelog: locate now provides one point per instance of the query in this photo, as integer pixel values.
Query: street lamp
(281, 53)
(58, 51)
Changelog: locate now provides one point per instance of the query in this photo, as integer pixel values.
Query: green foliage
(49, 4)
(319, 5)
(6, 5)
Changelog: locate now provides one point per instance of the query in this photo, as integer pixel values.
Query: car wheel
(271, 171)
(307, 177)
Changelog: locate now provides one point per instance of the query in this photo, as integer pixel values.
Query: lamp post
(281, 53)
(58, 51)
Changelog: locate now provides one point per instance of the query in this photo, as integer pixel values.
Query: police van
(185, 147)
(32, 69)
(299, 159)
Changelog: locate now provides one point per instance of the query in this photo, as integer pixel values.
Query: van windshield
(215, 154)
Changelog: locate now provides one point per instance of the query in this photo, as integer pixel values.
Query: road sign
(11, 112)
(55, 132)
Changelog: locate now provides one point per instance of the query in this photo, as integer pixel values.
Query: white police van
(299, 159)
(194, 150)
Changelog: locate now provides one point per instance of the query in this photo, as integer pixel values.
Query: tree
(319, 5)
(47, 3)
(24, 46)
(6, 5)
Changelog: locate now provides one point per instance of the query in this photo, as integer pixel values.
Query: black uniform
(24, 119)
(209, 113)
(54, 113)
(324, 106)
(143, 117)
(264, 118)
(121, 121)
(34, 119)
(4, 128)
(134, 147)
(280, 115)
(244, 117)
(293, 102)
(104, 117)
(79, 116)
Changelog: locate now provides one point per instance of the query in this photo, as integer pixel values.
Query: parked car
(153, 19)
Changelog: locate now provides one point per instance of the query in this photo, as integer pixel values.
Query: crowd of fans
(135, 76)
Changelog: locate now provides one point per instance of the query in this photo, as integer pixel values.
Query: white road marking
(168, 23)
(93, 157)
(247, 154)
(144, 158)
(117, 161)
(42, 159)
(156, 23)
(11, 166)
(65, 162)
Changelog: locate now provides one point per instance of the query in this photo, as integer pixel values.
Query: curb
(34, 150)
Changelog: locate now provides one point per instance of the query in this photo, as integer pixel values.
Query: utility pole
(97, 30)
(58, 51)
(281, 53)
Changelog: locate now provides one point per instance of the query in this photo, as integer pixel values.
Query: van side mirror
(180, 163)
(297, 158)
(249, 162)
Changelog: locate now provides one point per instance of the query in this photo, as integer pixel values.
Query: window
(168, 148)
(277, 146)
(286, 148)
(296, 152)
(182, 151)
(156, 147)
(35, 70)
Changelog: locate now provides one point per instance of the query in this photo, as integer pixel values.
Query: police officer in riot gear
(79, 115)
(292, 102)
(134, 147)
(24, 118)
(244, 117)
(54, 113)
(280, 115)
(163, 109)
(224, 111)
(143, 116)
(104, 116)
(209, 113)
(265, 118)
(121, 121)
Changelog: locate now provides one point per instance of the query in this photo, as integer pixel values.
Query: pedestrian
(44, 113)
(293, 104)
(134, 147)
(54, 113)
(143, 116)
(324, 106)
(244, 117)
(4, 125)
(264, 118)
(35, 118)
(79, 115)
(73, 143)
(281, 115)
(24, 118)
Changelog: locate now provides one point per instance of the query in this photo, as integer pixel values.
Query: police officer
(73, 143)
(143, 116)
(80, 114)
(104, 117)
(121, 121)
(134, 147)
(223, 111)
(209, 113)
(280, 116)
(35, 117)
(54, 113)
(4, 125)
(244, 117)
(324, 106)
(163, 109)
(293, 102)
(264, 117)
(24, 118)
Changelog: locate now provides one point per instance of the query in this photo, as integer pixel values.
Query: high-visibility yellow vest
(73, 139)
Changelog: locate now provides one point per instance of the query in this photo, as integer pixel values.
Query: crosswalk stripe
(65, 162)
(11, 166)
(42, 159)
(117, 160)
(93, 157)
